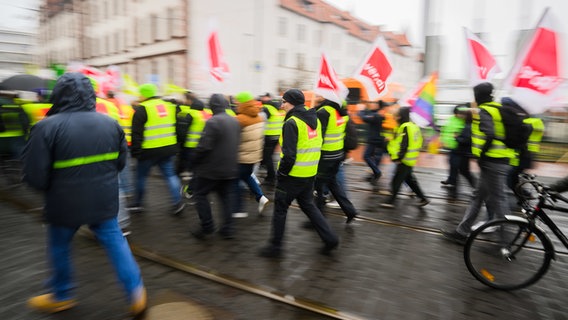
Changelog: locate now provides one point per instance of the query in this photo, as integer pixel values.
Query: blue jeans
(245, 175)
(372, 156)
(166, 165)
(110, 237)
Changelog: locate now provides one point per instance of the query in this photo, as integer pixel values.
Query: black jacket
(374, 123)
(216, 155)
(82, 194)
(138, 120)
(290, 136)
(323, 117)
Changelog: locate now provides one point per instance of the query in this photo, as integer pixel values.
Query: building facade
(17, 52)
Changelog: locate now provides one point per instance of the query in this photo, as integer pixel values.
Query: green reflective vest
(498, 149)
(159, 129)
(335, 132)
(535, 138)
(195, 130)
(450, 130)
(80, 161)
(308, 149)
(274, 123)
(10, 121)
(36, 111)
(414, 143)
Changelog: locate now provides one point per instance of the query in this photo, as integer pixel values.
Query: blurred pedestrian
(215, 163)
(375, 145)
(250, 150)
(73, 156)
(494, 156)
(301, 142)
(404, 150)
(272, 131)
(154, 143)
(333, 119)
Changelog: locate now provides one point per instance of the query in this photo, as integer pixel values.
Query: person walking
(215, 163)
(74, 156)
(494, 156)
(301, 142)
(404, 150)
(154, 143)
(333, 119)
(272, 131)
(375, 146)
(250, 150)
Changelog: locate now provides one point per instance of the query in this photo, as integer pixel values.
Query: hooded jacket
(216, 155)
(78, 193)
(290, 135)
(252, 132)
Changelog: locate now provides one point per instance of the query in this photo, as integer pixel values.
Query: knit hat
(244, 96)
(294, 96)
(148, 90)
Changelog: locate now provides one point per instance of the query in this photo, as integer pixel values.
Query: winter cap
(148, 90)
(244, 96)
(294, 96)
(218, 103)
(483, 92)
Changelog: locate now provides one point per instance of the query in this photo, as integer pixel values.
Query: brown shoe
(47, 303)
(138, 304)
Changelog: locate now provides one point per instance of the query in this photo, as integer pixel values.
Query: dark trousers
(184, 164)
(301, 189)
(270, 143)
(459, 164)
(402, 174)
(226, 192)
(372, 156)
(327, 173)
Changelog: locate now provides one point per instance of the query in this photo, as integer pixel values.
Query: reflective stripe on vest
(498, 149)
(533, 145)
(308, 149)
(334, 136)
(159, 129)
(274, 122)
(195, 130)
(80, 161)
(414, 143)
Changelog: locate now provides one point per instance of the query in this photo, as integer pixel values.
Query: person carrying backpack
(494, 157)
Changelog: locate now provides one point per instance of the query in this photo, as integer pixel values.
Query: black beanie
(294, 96)
(483, 92)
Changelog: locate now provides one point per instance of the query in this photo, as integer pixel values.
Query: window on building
(300, 61)
(153, 28)
(282, 26)
(171, 17)
(281, 57)
(301, 33)
(317, 37)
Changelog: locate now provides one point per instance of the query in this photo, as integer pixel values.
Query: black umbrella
(24, 82)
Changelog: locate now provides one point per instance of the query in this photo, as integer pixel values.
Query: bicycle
(518, 253)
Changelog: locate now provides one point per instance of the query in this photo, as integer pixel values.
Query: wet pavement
(391, 264)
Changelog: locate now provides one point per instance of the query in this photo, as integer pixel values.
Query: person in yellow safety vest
(272, 130)
(125, 113)
(333, 119)
(404, 150)
(524, 157)
(488, 133)
(154, 143)
(301, 142)
(388, 111)
(14, 127)
(191, 120)
(36, 111)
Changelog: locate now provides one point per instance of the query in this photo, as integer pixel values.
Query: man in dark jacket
(154, 143)
(301, 150)
(74, 157)
(215, 163)
(375, 141)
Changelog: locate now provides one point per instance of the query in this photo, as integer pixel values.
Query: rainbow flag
(422, 102)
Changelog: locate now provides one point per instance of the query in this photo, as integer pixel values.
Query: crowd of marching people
(216, 146)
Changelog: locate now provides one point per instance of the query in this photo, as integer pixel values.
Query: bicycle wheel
(508, 254)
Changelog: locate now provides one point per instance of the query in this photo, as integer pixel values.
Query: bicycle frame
(539, 212)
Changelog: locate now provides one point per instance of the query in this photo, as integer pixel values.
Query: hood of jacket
(342, 111)
(197, 105)
(506, 101)
(309, 116)
(404, 114)
(218, 103)
(73, 92)
(248, 113)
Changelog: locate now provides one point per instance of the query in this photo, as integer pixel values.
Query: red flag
(536, 75)
(483, 66)
(375, 70)
(328, 84)
(218, 68)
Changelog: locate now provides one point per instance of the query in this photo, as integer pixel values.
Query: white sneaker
(240, 214)
(385, 193)
(262, 204)
(333, 204)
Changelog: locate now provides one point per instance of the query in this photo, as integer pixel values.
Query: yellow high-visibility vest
(308, 149)
(159, 129)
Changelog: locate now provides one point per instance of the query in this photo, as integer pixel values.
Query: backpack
(516, 131)
(351, 140)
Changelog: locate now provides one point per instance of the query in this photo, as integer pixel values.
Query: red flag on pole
(483, 66)
(328, 84)
(375, 70)
(218, 68)
(536, 75)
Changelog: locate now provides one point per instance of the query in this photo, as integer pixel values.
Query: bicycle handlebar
(543, 191)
